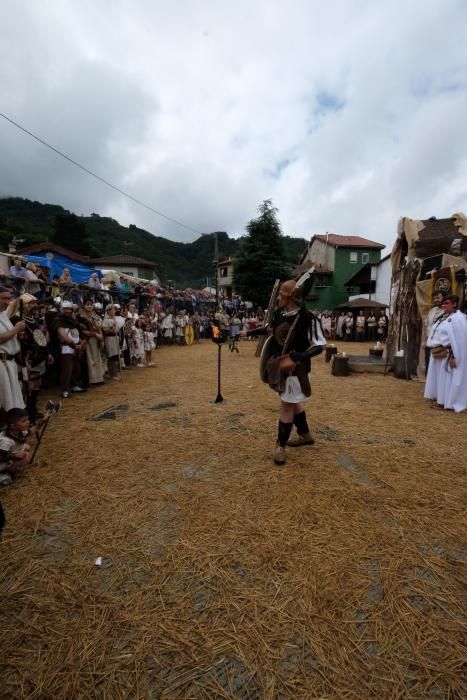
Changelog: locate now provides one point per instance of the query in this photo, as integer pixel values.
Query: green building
(336, 259)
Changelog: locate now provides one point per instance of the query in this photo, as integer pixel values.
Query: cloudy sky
(347, 114)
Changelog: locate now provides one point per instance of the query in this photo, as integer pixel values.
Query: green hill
(187, 264)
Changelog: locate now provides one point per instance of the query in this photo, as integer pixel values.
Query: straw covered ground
(339, 575)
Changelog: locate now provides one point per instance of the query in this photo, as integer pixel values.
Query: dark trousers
(69, 371)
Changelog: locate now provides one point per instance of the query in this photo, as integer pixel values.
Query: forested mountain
(187, 264)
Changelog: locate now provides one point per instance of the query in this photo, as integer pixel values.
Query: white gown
(455, 389)
(448, 386)
(10, 388)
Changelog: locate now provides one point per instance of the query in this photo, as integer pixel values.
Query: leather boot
(279, 455)
(299, 440)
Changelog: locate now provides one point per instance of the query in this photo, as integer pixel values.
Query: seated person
(17, 270)
(32, 279)
(125, 289)
(93, 281)
(66, 276)
(55, 287)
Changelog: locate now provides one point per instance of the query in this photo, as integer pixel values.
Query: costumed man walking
(295, 336)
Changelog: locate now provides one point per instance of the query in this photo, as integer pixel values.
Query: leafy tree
(70, 232)
(187, 264)
(5, 239)
(261, 258)
(22, 232)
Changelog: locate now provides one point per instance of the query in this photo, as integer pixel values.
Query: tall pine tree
(70, 232)
(261, 259)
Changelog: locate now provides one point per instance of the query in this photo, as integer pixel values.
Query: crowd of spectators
(69, 338)
(37, 280)
(366, 325)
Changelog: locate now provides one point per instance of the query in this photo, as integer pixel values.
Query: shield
(39, 338)
(268, 350)
(189, 335)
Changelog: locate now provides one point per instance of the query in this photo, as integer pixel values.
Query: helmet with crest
(288, 291)
(295, 290)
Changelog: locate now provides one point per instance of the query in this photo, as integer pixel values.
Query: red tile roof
(337, 241)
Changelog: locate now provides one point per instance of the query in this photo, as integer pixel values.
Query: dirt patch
(222, 575)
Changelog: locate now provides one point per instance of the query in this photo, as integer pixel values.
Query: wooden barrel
(330, 351)
(340, 366)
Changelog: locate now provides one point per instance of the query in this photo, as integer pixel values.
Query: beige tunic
(94, 357)
(10, 388)
(112, 342)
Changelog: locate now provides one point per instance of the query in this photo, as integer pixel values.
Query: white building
(128, 265)
(373, 282)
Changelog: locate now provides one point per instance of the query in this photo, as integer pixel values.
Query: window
(365, 258)
(223, 272)
(353, 257)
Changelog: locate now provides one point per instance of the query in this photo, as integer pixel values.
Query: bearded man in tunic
(433, 315)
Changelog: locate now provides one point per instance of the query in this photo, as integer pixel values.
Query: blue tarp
(79, 273)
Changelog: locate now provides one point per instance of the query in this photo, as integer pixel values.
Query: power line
(101, 179)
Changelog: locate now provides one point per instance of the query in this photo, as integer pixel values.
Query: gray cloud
(348, 116)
